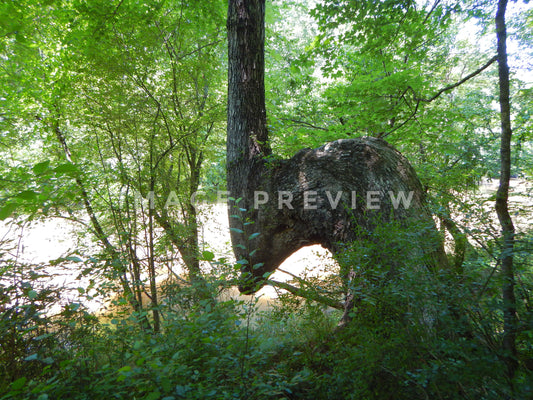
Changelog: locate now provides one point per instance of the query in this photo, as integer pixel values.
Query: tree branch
(307, 294)
(436, 95)
(456, 84)
(435, 5)
(309, 125)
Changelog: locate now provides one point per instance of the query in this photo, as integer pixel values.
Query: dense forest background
(113, 119)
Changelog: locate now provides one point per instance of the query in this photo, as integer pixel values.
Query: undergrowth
(419, 334)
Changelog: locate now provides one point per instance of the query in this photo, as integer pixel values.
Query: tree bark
(151, 253)
(247, 136)
(502, 196)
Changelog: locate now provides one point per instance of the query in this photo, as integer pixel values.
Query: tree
(400, 70)
(502, 199)
(321, 196)
(130, 120)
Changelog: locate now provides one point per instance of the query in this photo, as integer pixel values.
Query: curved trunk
(331, 195)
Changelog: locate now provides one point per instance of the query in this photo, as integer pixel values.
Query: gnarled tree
(332, 195)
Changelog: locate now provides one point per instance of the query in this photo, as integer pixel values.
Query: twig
(307, 294)
(304, 123)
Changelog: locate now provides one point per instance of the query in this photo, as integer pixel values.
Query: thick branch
(435, 5)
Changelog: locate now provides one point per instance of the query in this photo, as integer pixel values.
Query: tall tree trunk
(247, 136)
(502, 195)
(151, 254)
(247, 132)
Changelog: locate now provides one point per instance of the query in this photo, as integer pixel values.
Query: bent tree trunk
(332, 195)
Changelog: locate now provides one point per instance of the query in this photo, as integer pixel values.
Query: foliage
(415, 334)
(104, 102)
(39, 327)
(209, 351)
(101, 116)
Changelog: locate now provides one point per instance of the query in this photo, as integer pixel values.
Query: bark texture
(247, 137)
(332, 196)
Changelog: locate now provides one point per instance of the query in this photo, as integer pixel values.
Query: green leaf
(258, 265)
(28, 195)
(32, 357)
(153, 396)
(126, 368)
(32, 294)
(67, 169)
(18, 384)
(253, 235)
(40, 168)
(181, 390)
(7, 210)
(208, 255)
(236, 230)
